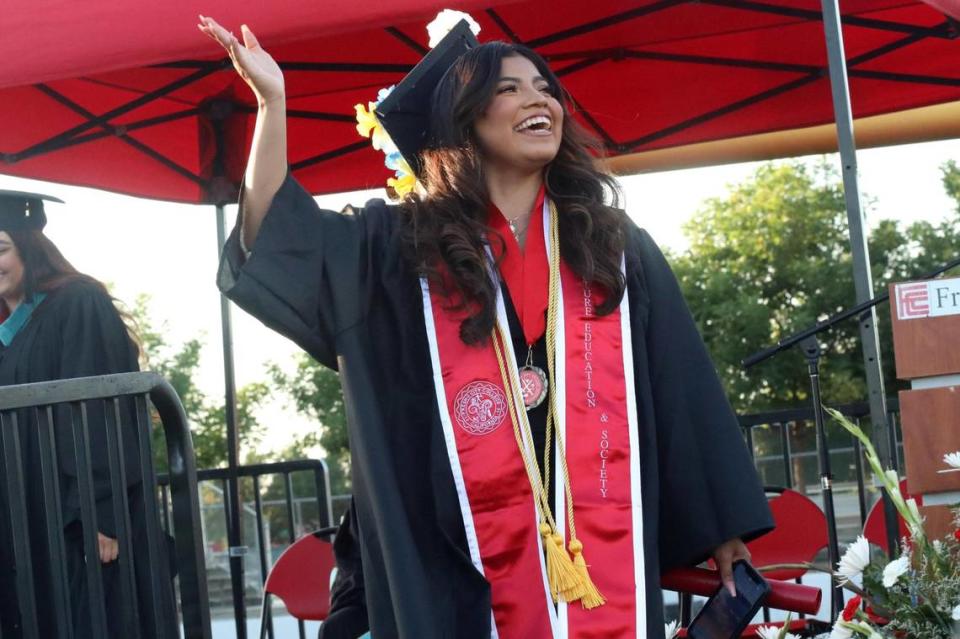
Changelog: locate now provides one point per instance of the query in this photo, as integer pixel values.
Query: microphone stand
(810, 346)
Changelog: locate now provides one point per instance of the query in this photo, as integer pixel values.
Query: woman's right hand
(254, 65)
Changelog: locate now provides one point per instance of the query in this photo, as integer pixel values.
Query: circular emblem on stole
(480, 407)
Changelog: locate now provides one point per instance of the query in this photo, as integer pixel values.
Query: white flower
(768, 632)
(855, 559)
(670, 630)
(956, 614)
(952, 459)
(773, 632)
(444, 23)
(840, 630)
(938, 546)
(895, 569)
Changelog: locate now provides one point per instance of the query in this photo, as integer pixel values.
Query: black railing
(777, 459)
(252, 503)
(59, 431)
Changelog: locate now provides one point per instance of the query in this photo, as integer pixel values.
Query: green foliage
(179, 364)
(772, 258)
(315, 392)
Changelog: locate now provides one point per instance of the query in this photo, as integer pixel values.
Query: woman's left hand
(724, 555)
(108, 548)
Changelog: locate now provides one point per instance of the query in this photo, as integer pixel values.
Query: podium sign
(926, 341)
(926, 328)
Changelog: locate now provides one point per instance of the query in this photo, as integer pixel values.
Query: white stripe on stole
(559, 398)
(519, 403)
(450, 439)
(639, 558)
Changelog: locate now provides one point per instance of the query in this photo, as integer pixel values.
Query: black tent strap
(101, 120)
(716, 113)
(407, 40)
(347, 67)
(301, 65)
(319, 115)
(816, 15)
(136, 144)
(504, 27)
(330, 155)
(766, 94)
(594, 25)
(107, 131)
(608, 140)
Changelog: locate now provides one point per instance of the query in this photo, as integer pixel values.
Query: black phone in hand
(725, 616)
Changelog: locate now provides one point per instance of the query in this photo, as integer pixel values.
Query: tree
(771, 258)
(315, 392)
(178, 365)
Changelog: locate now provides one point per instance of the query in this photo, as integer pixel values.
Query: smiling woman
(57, 323)
(525, 386)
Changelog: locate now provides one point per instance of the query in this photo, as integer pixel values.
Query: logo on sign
(933, 298)
(913, 301)
(480, 407)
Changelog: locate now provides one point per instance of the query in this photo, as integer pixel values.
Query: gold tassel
(591, 596)
(562, 576)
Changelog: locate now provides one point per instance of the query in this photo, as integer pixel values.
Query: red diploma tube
(784, 595)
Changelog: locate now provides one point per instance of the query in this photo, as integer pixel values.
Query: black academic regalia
(77, 332)
(338, 286)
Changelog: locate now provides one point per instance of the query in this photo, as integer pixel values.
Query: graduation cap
(405, 113)
(23, 211)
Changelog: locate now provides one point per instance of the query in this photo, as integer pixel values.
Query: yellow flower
(366, 120)
(403, 184)
(369, 127)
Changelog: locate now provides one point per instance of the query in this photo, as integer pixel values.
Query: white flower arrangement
(444, 23)
(916, 595)
(671, 629)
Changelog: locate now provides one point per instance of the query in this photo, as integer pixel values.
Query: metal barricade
(251, 482)
(85, 438)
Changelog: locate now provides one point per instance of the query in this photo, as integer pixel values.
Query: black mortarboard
(405, 113)
(23, 211)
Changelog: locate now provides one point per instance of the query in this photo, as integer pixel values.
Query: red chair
(875, 527)
(301, 579)
(800, 533)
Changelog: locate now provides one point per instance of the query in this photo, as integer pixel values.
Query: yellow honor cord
(569, 580)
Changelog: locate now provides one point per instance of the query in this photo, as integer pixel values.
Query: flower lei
(369, 126)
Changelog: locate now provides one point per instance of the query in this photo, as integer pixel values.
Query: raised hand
(254, 65)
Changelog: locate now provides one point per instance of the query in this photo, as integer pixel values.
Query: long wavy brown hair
(446, 228)
(45, 270)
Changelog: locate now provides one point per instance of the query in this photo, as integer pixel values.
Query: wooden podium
(926, 339)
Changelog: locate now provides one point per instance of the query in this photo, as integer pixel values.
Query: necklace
(516, 228)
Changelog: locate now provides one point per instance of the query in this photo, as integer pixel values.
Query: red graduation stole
(597, 420)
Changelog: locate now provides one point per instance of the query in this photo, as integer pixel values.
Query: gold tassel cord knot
(591, 595)
(562, 576)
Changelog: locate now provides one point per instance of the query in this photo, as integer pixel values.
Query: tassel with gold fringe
(562, 576)
(591, 596)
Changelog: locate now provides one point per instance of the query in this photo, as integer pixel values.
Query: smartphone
(725, 616)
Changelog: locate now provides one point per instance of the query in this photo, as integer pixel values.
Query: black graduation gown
(338, 286)
(77, 332)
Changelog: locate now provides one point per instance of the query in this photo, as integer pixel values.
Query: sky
(169, 251)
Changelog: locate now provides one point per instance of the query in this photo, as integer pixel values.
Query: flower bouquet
(915, 596)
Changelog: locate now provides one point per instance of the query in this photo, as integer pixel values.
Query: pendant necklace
(517, 229)
(533, 382)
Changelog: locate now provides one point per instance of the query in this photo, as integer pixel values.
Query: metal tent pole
(232, 498)
(863, 280)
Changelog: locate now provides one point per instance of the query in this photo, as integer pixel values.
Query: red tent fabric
(130, 97)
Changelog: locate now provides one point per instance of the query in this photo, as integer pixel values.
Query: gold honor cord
(569, 579)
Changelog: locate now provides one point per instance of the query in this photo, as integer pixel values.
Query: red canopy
(130, 97)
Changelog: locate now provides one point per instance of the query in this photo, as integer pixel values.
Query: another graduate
(58, 324)
(535, 425)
